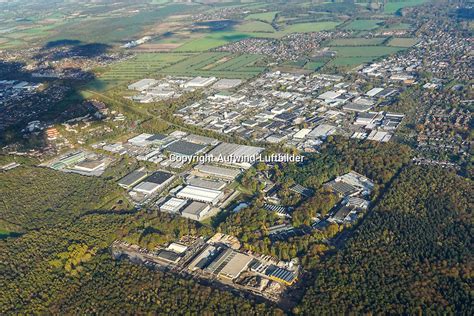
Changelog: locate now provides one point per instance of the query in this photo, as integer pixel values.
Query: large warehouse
(154, 182)
(196, 211)
(191, 192)
(218, 172)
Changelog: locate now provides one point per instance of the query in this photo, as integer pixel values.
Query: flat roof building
(200, 194)
(199, 82)
(196, 211)
(142, 85)
(132, 179)
(207, 184)
(173, 205)
(218, 172)
(184, 148)
(154, 182)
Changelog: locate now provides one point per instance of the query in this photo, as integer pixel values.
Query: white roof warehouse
(200, 194)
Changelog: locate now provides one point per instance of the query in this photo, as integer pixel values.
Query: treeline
(412, 254)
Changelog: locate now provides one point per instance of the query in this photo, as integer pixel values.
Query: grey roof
(342, 188)
(156, 137)
(194, 208)
(185, 148)
(159, 177)
(132, 178)
(168, 255)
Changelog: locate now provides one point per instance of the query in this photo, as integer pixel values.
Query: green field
(218, 64)
(314, 65)
(398, 26)
(365, 51)
(353, 55)
(357, 41)
(362, 25)
(394, 6)
(266, 16)
(255, 27)
(310, 27)
(212, 40)
(350, 61)
(136, 68)
(403, 41)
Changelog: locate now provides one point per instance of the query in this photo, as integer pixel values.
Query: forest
(412, 254)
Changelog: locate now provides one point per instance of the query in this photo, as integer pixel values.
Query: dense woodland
(413, 253)
(60, 262)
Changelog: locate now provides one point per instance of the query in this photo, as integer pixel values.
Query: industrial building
(229, 264)
(184, 148)
(225, 84)
(207, 184)
(154, 182)
(145, 139)
(142, 85)
(200, 82)
(281, 275)
(132, 179)
(191, 192)
(90, 165)
(196, 211)
(234, 154)
(218, 172)
(173, 205)
(69, 160)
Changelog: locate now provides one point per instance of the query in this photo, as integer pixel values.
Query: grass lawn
(357, 41)
(361, 25)
(265, 16)
(403, 41)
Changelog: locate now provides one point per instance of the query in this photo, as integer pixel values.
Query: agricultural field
(365, 51)
(398, 26)
(403, 41)
(212, 40)
(363, 25)
(310, 27)
(393, 6)
(136, 68)
(357, 41)
(353, 55)
(265, 16)
(218, 64)
(315, 65)
(350, 61)
(255, 27)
